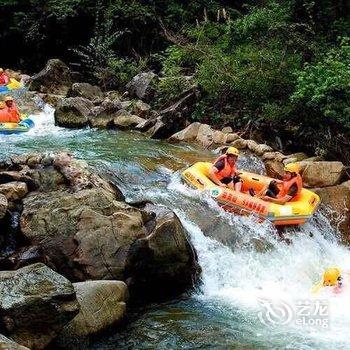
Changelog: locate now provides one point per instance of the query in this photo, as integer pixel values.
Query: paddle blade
(316, 288)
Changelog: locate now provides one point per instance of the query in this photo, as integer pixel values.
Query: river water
(255, 287)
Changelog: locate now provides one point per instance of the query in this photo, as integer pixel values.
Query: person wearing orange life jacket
(281, 192)
(4, 79)
(10, 113)
(224, 172)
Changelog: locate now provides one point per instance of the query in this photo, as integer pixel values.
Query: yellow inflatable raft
(17, 128)
(12, 85)
(295, 212)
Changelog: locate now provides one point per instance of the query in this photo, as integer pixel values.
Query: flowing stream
(255, 287)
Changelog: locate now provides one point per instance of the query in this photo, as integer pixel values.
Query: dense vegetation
(267, 67)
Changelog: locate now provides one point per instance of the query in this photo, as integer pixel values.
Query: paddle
(316, 288)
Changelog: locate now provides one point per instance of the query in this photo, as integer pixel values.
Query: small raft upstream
(295, 212)
(12, 85)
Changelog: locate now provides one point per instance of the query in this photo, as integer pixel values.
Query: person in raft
(4, 79)
(10, 113)
(283, 191)
(224, 172)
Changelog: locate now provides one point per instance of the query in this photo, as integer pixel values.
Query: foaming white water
(258, 265)
(261, 266)
(45, 134)
(283, 272)
(255, 266)
(44, 122)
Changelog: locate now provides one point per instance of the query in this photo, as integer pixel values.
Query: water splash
(284, 272)
(242, 261)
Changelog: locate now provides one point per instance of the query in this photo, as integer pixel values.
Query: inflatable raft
(17, 128)
(295, 212)
(12, 85)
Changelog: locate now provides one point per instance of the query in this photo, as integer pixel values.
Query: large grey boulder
(337, 201)
(141, 86)
(3, 205)
(103, 115)
(322, 174)
(168, 265)
(35, 304)
(73, 112)
(86, 90)
(102, 306)
(82, 227)
(90, 235)
(174, 118)
(8, 344)
(188, 134)
(55, 78)
(125, 120)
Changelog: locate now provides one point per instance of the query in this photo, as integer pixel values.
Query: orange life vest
(227, 171)
(10, 115)
(297, 180)
(4, 79)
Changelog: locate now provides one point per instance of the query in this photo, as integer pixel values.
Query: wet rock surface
(83, 229)
(86, 90)
(102, 306)
(35, 304)
(336, 199)
(141, 86)
(73, 112)
(322, 174)
(8, 344)
(55, 78)
(3, 205)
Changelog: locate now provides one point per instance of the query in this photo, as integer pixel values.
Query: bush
(99, 61)
(323, 88)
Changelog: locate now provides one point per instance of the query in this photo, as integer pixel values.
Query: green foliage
(276, 63)
(175, 80)
(236, 73)
(324, 87)
(262, 20)
(99, 60)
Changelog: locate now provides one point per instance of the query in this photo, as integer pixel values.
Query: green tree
(323, 88)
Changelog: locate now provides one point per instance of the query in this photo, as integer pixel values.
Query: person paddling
(4, 79)
(281, 192)
(224, 172)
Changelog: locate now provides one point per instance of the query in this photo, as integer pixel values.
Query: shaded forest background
(277, 69)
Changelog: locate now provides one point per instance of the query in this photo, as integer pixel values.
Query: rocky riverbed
(79, 225)
(81, 105)
(71, 244)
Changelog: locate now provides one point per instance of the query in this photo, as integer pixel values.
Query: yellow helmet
(1, 70)
(232, 150)
(292, 168)
(8, 98)
(331, 276)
